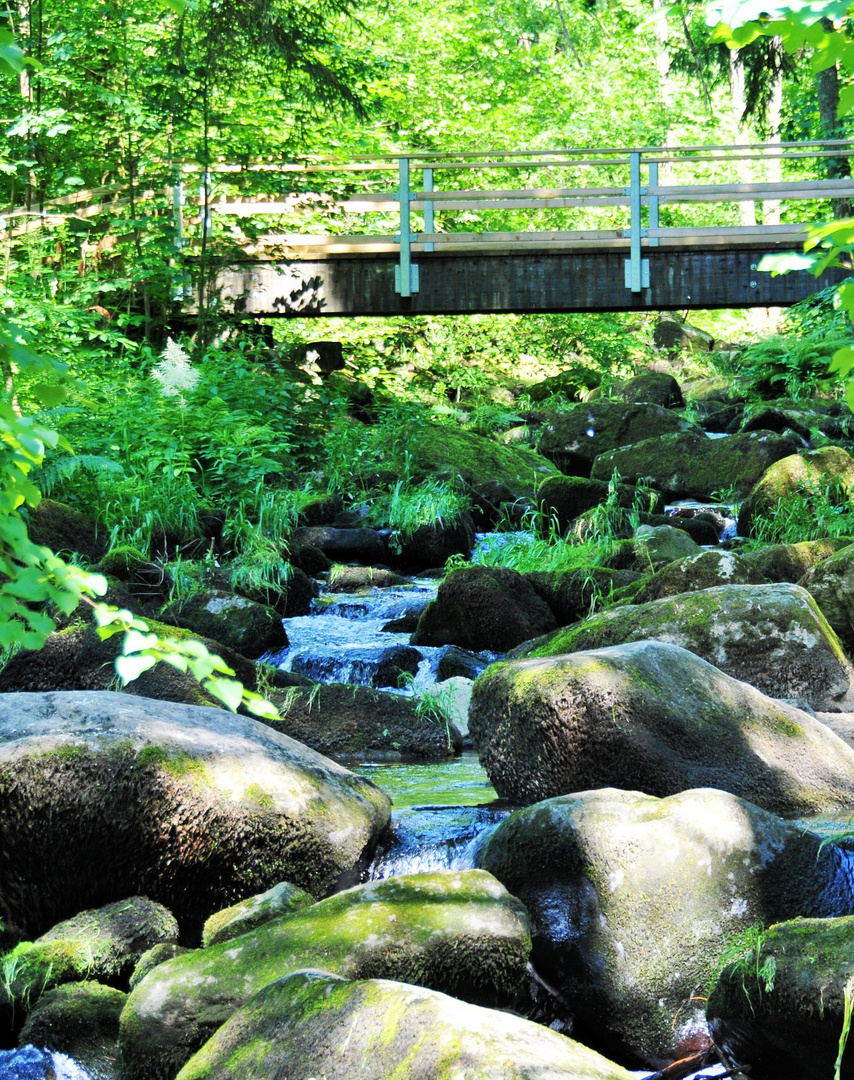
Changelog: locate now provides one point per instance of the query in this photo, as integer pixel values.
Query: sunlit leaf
(129, 668)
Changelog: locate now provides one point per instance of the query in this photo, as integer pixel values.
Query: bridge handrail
(367, 173)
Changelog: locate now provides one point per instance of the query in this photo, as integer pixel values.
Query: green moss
(176, 763)
(255, 793)
(69, 752)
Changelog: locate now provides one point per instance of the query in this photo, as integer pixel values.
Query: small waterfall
(28, 1063)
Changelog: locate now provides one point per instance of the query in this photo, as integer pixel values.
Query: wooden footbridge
(535, 231)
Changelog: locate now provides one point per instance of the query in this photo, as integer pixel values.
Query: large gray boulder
(634, 900)
(705, 570)
(689, 465)
(458, 932)
(779, 1004)
(105, 795)
(315, 1024)
(772, 636)
(652, 717)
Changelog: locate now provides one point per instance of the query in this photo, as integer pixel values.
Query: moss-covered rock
(82, 1021)
(772, 636)
(659, 544)
(573, 594)
(351, 579)
(572, 439)
(789, 562)
(159, 954)
(344, 720)
(633, 900)
(780, 1005)
(430, 546)
(474, 459)
(564, 498)
(653, 388)
(574, 383)
(231, 922)
(831, 584)
(458, 932)
(705, 570)
(237, 622)
(804, 474)
(65, 531)
(689, 465)
(102, 944)
(105, 794)
(484, 608)
(655, 718)
(315, 1024)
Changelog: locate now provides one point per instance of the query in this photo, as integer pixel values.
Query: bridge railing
(418, 205)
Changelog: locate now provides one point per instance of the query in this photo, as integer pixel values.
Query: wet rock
(243, 625)
(483, 608)
(457, 932)
(573, 594)
(634, 900)
(310, 560)
(689, 465)
(394, 664)
(780, 1005)
(315, 1024)
(231, 922)
(458, 662)
(87, 779)
(572, 440)
(30, 1063)
(82, 1021)
(343, 720)
(771, 636)
(432, 545)
(655, 718)
(810, 472)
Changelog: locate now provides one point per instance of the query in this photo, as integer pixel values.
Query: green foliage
(807, 515)
(794, 366)
(408, 506)
(743, 957)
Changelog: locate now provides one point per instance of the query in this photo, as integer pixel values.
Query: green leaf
(228, 691)
(136, 642)
(49, 394)
(842, 362)
(129, 668)
(786, 261)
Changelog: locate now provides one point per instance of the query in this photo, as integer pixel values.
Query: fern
(63, 469)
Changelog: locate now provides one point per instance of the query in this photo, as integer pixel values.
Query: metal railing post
(405, 274)
(429, 221)
(637, 270)
(653, 203)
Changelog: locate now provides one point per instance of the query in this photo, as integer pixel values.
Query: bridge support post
(405, 274)
(429, 220)
(637, 269)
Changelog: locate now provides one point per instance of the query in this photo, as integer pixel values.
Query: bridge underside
(467, 284)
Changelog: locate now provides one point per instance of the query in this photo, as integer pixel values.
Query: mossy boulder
(65, 531)
(75, 658)
(290, 594)
(789, 562)
(658, 544)
(353, 579)
(633, 901)
(655, 718)
(158, 954)
(564, 498)
(241, 624)
(102, 944)
(231, 922)
(669, 333)
(82, 1021)
(573, 594)
(573, 439)
(689, 465)
(344, 720)
(797, 475)
(430, 546)
(457, 932)
(484, 608)
(771, 636)
(652, 387)
(343, 545)
(780, 1005)
(705, 570)
(573, 384)
(474, 459)
(831, 584)
(311, 1023)
(102, 795)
